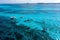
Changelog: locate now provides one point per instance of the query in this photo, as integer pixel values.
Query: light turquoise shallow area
(36, 13)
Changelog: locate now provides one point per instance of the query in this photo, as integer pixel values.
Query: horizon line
(29, 3)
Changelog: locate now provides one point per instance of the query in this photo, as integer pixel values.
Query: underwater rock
(7, 38)
(28, 20)
(20, 32)
(19, 36)
(21, 16)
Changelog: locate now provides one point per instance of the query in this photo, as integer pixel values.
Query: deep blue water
(35, 16)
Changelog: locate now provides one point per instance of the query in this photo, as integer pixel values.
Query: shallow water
(35, 14)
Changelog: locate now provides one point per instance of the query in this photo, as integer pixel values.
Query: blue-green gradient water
(36, 16)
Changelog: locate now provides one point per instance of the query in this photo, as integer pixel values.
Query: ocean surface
(44, 18)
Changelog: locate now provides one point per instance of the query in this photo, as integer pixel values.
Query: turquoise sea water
(36, 16)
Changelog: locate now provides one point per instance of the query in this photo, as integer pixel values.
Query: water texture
(30, 21)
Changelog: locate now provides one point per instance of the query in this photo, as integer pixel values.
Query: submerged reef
(10, 31)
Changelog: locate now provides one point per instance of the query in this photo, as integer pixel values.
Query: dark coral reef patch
(10, 31)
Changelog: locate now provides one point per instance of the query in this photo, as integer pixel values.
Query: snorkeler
(13, 20)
